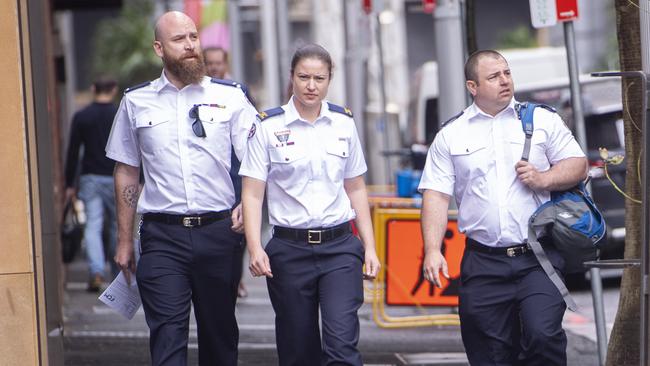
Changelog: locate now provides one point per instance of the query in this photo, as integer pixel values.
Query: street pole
(576, 99)
(383, 116)
(645, 245)
(450, 56)
(270, 49)
(355, 56)
(284, 43)
(236, 64)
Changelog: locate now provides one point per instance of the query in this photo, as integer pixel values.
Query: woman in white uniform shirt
(307, 156)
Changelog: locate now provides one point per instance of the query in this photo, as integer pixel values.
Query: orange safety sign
(405, 283)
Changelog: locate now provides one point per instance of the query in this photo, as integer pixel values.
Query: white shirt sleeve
(122, 145)
(242, 122)
(356, 163)
(561, 144)
(438, 174)
(256, 161)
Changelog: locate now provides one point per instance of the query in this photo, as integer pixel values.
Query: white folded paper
(122, 297)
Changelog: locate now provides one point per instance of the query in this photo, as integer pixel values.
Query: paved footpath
(95, 335)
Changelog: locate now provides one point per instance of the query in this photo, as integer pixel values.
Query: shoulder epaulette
(270, 113)
(339, 109)
(132, 88)
(452, 119)
(235, 84)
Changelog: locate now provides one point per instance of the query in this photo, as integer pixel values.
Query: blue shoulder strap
(525, 113)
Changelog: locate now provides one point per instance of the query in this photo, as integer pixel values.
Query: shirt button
(149, 123)
(286, 159)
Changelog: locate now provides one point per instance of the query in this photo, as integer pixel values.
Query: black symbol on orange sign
(452, 282)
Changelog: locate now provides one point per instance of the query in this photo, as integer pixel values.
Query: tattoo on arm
(130, 195)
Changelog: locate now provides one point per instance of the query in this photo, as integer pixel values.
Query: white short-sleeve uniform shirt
(304, 165)
(474, 157)
(183, 173)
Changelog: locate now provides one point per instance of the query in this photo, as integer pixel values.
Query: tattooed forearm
(130, 195)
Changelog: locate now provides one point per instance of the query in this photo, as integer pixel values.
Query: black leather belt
(312, 236)
(186, 220)
(511, 251)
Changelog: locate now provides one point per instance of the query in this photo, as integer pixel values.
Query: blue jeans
(98, 195)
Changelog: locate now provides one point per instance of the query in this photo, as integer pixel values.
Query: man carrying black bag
(510, 311)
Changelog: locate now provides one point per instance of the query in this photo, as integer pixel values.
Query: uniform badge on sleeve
(251, 132)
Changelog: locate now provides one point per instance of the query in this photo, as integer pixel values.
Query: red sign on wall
(566, 10)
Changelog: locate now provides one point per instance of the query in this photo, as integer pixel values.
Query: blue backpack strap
(270, 113)
(525, 112)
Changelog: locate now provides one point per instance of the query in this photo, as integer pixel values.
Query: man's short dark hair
(213, 48)
(104, 85)
(472, 63)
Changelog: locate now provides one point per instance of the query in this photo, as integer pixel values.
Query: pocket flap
(148, 119)
(286, 154)
(213, 114)
(339, 148)
(468, 147)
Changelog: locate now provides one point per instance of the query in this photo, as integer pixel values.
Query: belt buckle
(511, 252)
(191, 221)
(310, 234)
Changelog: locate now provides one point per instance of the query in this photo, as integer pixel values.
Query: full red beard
(189, 69)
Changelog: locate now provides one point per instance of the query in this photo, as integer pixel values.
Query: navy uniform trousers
(510, 311)
(199, 265)
(306, 276)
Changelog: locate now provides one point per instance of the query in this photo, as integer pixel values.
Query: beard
(189, 69)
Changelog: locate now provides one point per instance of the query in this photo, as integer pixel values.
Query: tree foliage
(123, 45)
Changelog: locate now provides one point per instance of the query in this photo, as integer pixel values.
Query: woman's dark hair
(312, 50)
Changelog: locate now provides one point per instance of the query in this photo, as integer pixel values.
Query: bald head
(170, 21)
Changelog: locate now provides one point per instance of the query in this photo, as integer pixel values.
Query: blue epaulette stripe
(132, 88)
(339, 109)
(452, 119)
(270, 113)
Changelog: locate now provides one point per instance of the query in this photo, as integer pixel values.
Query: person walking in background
(180, 129)
(216, 62)
(89, 131)
(216, 66)
(307, 156)
(510, 311)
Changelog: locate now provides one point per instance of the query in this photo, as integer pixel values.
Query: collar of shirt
(475, 111)
(292, 114)
(162, 82)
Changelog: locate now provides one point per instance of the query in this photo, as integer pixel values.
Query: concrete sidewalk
(95, 335)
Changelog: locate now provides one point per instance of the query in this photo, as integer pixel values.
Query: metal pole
(284, 43)
(576, 99)
(383, 122)
(354, 59)
(450, 56)
(236, 64)
(599, 314)
(645, 260)
(270, 49)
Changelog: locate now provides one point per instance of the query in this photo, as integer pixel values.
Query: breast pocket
(154, 130)
(216, 122)
(287, 161)
(338, 152)
(471, 158)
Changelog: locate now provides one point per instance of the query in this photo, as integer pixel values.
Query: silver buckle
(191, 221)
(310, 239)
(511, 252)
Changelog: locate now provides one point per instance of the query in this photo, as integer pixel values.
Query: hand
(259, 264)
(237, 220)
(434, 261)
(372, 265)
(125, 259)
(70, 193)
(528, 175)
